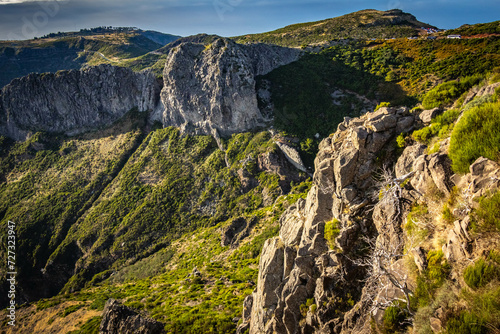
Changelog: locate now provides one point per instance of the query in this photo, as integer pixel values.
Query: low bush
(431, 279)
(446, 93)
(480, 273)
(477, 134)
(332, 230)
(465, 323)
(488, 213)
(394, 318)
(440, 126)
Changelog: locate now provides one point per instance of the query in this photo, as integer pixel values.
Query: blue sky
(20, 19)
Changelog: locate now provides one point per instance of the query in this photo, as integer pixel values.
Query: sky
(21, 19)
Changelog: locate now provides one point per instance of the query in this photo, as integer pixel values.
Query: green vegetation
(365, 24)
(441, 126)
(415, 226)
(332, 230)
(488, 212)
(395, 318)
(480, 28)
(71, 309)
(465, 323)
(146, 210)
(445, 93)
(90, 327)
(431, 279)
(481, 273)
(476, 134)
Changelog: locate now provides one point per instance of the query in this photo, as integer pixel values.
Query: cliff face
(341, 255)
(211, 89)
(74, 101)
(207, 90)
(301, 263)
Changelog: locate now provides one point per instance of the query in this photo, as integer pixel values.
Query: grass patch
(477, 134)
(332, 230)
(445, 93)
(481, 273)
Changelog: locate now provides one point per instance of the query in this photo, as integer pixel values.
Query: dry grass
(49, 320)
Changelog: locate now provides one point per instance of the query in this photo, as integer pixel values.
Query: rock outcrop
(211, 89)
(208, 89)
(119, 319)
(300, 264)
(74, 101)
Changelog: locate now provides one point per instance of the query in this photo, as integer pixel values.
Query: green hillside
(365, 24)
(74, 50)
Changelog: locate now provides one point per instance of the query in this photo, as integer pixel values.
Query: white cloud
(8, 2)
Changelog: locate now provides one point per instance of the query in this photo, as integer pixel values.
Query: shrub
(480, 273)
(331, 232)
(418, 213)
(440, 126)
(90, 327)
(476, 134)
(71, 309)
(488, 212)
(447, 215)
(394, 318)
(382, 105)
(465, 323)
(446, 93)
(431, 279)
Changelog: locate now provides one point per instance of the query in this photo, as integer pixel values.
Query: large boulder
(120, 319)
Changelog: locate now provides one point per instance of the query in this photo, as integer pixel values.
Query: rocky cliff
(207, 90)
(211, 89)
(339, 259)
(74, 101)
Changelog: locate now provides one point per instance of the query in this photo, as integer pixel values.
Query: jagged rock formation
(211, 89)
(299, 264)
(74, 101)
(207, 90)
(309, 283)
(117, 318)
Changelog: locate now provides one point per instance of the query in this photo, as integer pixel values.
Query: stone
(427, 115)
(432, 171)
(211, 90)
(74, 101)
(378, 140)
(117, 318)
(237, 230)
(404, 165)
(384, 123)
(419, 258)
(344, 167)
(405, 124)
(436, 325)
(271, 268)
(292, 223)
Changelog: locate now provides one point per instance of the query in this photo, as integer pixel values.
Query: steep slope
(387, 249)
(75, 101)
(211, 89)
(365, 24)
(74, 50)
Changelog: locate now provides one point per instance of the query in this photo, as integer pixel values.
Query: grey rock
(404, 165)
(419, 258)
(271, 268)
(384, 123)
(292, 224)
(74, 101)
(237, 230)
(211, 90)
(427, 115)
(117, 318)
(432, 171)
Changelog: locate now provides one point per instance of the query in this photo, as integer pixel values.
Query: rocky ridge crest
(313, 282)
